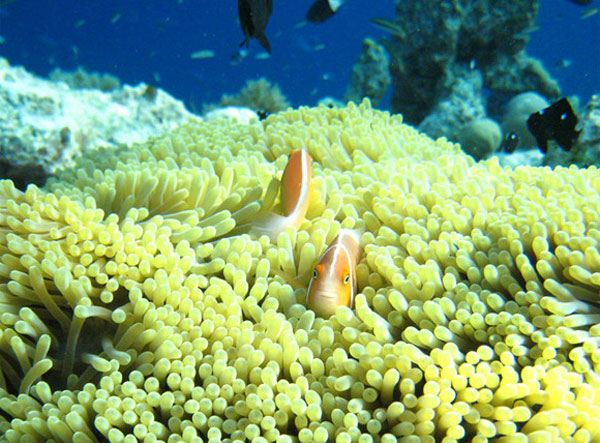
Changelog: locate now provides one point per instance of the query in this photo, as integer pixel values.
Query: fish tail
(270, 224)
(262, 39)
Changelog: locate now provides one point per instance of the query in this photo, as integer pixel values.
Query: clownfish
(294, 197)
(333, 282)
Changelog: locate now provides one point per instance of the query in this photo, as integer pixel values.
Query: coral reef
(259, 95)
(235, 113)
(481, 138)
(370, 74)
(514, 74)
(49, 124)
(531, 157)
(131, 312)
(488, 34)
(464, 104)
(82, 79)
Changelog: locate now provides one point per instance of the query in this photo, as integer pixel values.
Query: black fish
(254, 17)
(510, 142)
(582, 2)
(556, 122)
(322, 10)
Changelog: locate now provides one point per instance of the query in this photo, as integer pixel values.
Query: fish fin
(269, 224)
(294, 282)
(262, 39)
(542, 144)
(356, 233)
(319, 11)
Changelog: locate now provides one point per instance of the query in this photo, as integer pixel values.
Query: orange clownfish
(294, 196)
(334, 279)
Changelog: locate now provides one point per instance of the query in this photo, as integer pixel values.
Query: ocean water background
(152, 41)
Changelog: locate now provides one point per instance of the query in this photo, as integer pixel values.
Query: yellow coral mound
(132, 309)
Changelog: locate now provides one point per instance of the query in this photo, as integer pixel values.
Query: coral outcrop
(133, 311)
(48, 124)
(82, 79)
(438, 36)
(481, 138)
(259, 95)
(370, 74)
(464, 104)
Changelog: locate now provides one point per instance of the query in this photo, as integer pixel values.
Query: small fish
(203, 53)
(322, 10)
(254, 17)
(582, 2)
(389, 26)
(115, 18)
(589, 13)
(556, 122)
(334, 279)
(300, 24)
(562, 63)
(294, 197)
(510, 143)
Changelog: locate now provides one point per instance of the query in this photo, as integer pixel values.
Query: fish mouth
(328, 295)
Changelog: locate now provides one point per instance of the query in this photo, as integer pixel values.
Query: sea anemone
(136, 308)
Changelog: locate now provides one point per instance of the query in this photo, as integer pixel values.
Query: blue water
(151, 41)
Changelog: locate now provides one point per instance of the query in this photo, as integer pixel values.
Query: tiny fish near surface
(254, 17)
(334, 279)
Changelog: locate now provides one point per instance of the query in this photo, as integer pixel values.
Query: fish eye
(346, 279)
(315, 274)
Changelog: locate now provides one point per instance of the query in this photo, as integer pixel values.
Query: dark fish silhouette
(254, 17)
(556, 122)
(582, 2)
(510, 142)
(322, 10)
